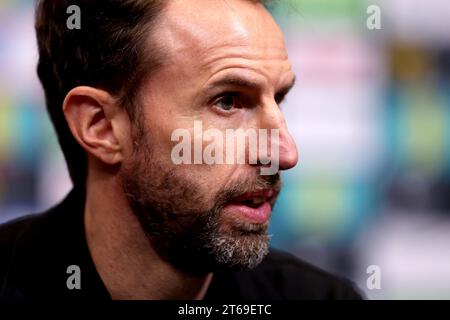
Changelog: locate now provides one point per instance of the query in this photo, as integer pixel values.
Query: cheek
(211, 180)
(176, 137)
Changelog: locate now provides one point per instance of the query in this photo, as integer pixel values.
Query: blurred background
(370, 116)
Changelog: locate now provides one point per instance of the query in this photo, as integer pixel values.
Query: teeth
(258, 200)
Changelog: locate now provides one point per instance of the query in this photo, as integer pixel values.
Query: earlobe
(90, 114)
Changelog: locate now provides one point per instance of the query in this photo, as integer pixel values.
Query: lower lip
(253, 215)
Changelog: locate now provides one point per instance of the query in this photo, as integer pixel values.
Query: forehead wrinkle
(245, 50)
(241, 55)
(240, 60)
(228, 49)
(214, 67)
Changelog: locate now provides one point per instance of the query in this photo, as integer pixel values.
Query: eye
(227, 101)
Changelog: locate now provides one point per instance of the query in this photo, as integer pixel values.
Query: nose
(288, 150)
(273, 118)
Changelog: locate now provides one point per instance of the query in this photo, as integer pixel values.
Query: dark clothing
(36, 251)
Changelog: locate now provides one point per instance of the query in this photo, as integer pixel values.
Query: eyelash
(279, 99)
(233, 95)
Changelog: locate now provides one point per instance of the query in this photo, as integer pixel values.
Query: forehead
(203, 34)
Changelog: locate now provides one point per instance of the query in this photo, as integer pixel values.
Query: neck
(124, 258)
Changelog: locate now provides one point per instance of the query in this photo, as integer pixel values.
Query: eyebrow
(238, 81)
(281, 94)
(284, 90)
(234, 81)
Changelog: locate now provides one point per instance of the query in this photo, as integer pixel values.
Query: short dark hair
(110, 51)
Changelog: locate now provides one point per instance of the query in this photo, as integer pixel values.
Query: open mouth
(254, 202)
(254, 199)
(253, 206)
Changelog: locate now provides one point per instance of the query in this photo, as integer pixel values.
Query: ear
(92, 116)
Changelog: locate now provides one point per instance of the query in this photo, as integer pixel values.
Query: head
(139, 70)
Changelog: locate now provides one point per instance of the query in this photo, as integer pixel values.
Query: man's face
(225, 67)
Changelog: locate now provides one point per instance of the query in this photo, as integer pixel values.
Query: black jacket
(36, 251)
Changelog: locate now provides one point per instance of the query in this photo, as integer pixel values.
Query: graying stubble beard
(244, 252)
(194, 240)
